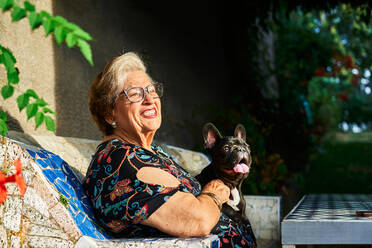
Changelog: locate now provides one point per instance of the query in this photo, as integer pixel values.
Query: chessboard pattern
(331, 207)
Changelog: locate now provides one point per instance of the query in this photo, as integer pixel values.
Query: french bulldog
(231, 161)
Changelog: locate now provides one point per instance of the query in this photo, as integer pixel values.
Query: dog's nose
(241, 149)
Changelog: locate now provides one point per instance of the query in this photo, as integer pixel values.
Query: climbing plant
(63, 31)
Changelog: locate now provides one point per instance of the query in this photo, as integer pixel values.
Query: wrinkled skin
(227, 152)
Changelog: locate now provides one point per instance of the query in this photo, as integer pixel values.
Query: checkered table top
(331, 207)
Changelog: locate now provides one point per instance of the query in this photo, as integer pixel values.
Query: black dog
(231, 160)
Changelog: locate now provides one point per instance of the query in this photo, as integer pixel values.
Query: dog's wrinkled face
(231, 154)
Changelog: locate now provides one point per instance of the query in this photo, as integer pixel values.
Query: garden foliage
(321, 69)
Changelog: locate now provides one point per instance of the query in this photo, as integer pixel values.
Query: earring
(113, 124)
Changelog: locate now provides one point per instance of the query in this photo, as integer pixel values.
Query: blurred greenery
(320, 67)
(341, 167)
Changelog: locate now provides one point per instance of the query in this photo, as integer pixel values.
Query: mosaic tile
(43, 163)
(44, 242)
(1, 212)
(45, 231)
(36, 218)
(3, 237)
(50, 196)
(61, 185)
(65, 221)
(15, 242)
(32, 153)
(12, 189)
(42, 155)
(12, 216)
(27, 176)
(34, 200)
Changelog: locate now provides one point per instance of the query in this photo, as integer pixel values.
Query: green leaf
(31, 110)
(282, 169)
(60, 20)
(50, 124)
(7, 51)
(85, 50)
(9, 61)
(3, 115)
(39, 118)
(29, 6)
(70, 40)
(13, 77)
(3, 127)
(48, 25)
(35, 19)
(22, 101)
(71, 26)
(7, 91)
(82, 34)
(3, 3)
(32, 93)
(6, 4)
(40, 102)
(45, 14)
(18, 13)
(60, 34)
(48, 110)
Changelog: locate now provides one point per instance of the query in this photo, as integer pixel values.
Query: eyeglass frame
(144, 92)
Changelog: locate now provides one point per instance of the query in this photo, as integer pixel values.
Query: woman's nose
(148, 98)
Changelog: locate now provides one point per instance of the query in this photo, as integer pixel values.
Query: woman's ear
(109, 117)
(211, 135)
(240, 132)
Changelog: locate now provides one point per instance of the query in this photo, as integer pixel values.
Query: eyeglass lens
(137, 94)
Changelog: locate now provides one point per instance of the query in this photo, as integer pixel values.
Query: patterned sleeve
(118, 197)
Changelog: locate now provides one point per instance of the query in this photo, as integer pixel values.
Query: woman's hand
(218, 188)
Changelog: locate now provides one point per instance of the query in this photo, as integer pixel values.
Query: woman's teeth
(149, 112)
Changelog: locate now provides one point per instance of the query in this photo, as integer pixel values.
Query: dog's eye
(226, 148)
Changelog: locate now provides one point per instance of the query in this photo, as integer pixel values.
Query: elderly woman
(136, 189)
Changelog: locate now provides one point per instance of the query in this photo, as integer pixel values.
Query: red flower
(348, 62)
(320, 72)
(343, 96)
(3, 193)
(16, 178)
(355, 80)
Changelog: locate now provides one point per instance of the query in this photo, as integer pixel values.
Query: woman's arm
(185, 215)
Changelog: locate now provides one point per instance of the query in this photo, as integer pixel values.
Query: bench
(55, 212)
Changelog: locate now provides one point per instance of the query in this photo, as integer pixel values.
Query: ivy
(64, 31)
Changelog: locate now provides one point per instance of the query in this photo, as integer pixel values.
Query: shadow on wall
(172, 41)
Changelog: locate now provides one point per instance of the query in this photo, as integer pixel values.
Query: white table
(328, 219)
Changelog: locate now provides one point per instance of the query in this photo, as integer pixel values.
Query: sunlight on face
(140, 117)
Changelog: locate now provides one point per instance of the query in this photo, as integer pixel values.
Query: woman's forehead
(137, 78)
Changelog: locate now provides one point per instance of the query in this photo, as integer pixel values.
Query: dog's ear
(240, 132)
(211, 135)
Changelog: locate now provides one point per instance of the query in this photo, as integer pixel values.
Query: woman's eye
(134, 94)
(151, 89)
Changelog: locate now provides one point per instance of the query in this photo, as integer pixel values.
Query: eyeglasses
(137, 94)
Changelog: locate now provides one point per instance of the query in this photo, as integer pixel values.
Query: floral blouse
(120, 201)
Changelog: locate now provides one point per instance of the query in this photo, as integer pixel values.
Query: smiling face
(140, 118)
